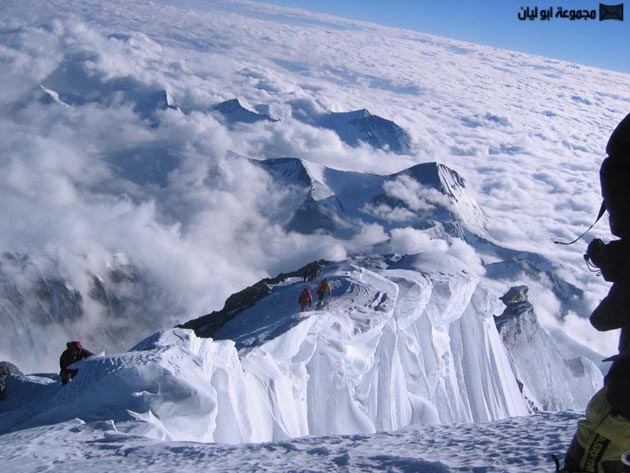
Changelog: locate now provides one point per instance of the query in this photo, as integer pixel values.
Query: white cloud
(467, 255)
(412, 241)
(370, 235)
(414, 195)
(582, 331)
(101, 177)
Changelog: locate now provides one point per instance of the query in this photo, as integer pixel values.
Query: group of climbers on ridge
(602, 441)
(75, 351)
(324, 289)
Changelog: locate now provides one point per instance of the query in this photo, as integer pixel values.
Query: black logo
(610, 12)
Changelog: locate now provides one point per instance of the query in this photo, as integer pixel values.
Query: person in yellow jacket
(324, 289)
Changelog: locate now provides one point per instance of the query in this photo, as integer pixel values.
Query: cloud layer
(100, 165)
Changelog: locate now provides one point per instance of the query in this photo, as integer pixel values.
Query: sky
(495, 23)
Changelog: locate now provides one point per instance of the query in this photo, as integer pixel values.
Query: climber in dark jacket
(73, 353)
(603, 438)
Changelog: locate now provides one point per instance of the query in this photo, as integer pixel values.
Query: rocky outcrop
(548, 380)
(517, 305)
(234, 112)
(6, 369)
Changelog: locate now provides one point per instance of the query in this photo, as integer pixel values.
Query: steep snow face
(552, 380)
(403, 340)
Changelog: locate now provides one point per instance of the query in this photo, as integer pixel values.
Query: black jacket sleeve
(614, 311)
(85, 354)
(65, 360)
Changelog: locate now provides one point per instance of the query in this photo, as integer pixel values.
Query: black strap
(556, 460)
(599, 215)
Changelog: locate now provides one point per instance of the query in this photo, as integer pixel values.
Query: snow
(517, 445)
(234, 112)
(360, 125)
(404, 340)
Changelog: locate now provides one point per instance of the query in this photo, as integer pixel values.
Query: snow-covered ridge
(315, 199)
(428, 196)
(340, 202)
(403, 340)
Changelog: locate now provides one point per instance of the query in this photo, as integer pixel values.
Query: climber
(73, 353)
(604, 436)
(312, 270)
(305, 299)
(323, 289)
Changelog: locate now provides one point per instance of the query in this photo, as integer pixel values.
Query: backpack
(305, 297)
(614, 176)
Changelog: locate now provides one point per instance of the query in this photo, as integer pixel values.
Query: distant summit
(234, 112)
(322, 199)
(360, 125)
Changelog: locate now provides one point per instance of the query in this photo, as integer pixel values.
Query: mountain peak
(361, 126)
(234, 112)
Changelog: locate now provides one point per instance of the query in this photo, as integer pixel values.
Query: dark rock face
(47, 298)
(516, 305)
(36, 296)
(6, 369)
(234, 112)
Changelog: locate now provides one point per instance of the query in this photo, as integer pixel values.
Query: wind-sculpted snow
(403, 340)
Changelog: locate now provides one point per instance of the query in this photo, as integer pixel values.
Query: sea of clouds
(95, 166)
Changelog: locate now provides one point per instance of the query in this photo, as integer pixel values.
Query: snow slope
(516, 445)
